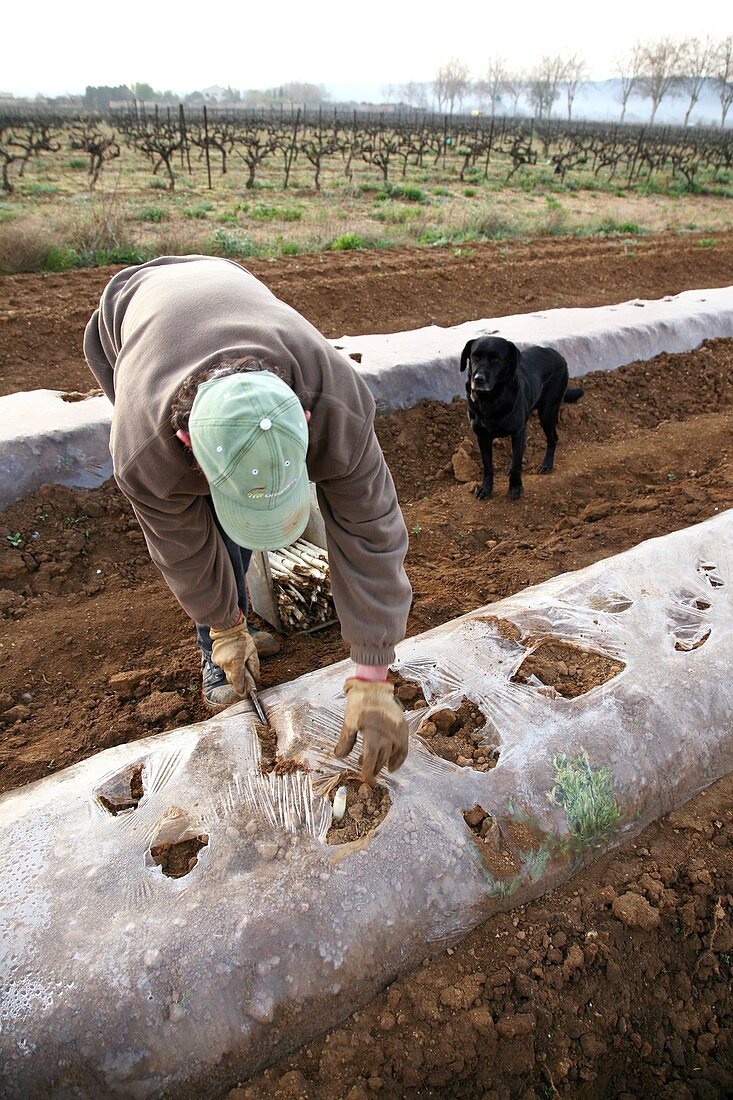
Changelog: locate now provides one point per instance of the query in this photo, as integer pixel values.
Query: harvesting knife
(258, 706)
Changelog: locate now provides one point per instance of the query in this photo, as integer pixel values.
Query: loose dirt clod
(457, 736)
(366, 807)
(499, 860)
(411, 695)
(567, 668)
(178, 858)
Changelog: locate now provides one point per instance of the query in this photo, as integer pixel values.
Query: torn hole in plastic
(496, 858)
(122, 792)
(436, 678)
(511, 852)
(687, 616)
(693, 638)
(709, 570)
(691, 600)
(270, 758)
(366, 807)
(566, 669)
(176, 843)
(409, 693)
(462, 735)
(478, 820)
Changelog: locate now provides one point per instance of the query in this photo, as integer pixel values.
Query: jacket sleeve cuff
(363, 656)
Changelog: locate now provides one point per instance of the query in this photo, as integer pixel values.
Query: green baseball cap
(249, 435)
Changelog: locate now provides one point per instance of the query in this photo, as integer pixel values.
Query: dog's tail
(573, 394)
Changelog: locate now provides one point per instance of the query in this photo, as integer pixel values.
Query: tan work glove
(372, 708)
(234, 651)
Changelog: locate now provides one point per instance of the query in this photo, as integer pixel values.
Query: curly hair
(183, 401)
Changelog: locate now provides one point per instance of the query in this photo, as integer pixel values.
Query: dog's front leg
(486, 444)
(515, 470)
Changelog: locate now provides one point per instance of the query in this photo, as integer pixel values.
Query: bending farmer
(226, 403)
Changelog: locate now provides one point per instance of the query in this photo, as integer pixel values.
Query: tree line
(654, 70)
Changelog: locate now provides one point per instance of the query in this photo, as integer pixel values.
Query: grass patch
(34, 248)
(707, 242)
(153, 214)
(348, 242)
(232, 246)
(626, 229)
(396, 213)
(407, 192)
(610, 227)
(40, 190)
(469, 192)
(586, 795)
(199, 211)
(60, 258)
(276, 213)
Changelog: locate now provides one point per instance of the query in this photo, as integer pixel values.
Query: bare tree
(515, 84)
(574, 76)
(300, 91)
(628, 70)
(724, 76)
(494, 84)
(697, 65)
(414, 94)
(544, 84)
(660, 71)
(451, 84)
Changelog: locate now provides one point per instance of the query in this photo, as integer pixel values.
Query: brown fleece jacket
(157, 323)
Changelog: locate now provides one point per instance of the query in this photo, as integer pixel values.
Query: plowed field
(571, 996)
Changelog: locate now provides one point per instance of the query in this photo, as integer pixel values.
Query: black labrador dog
(503, 387)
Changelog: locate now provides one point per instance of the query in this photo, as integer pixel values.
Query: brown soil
(456, 735)
(270, 761)
(409, 694)
(619, 984)
(43, 316)
(366, 807)
(502, 850)
(177, 859)
(568, 669)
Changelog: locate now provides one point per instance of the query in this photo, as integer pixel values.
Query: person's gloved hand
(234, 651)
(372, 709)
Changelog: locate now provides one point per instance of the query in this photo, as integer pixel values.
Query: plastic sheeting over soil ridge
(139, 983)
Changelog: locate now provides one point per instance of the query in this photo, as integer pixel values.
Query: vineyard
(181, 142)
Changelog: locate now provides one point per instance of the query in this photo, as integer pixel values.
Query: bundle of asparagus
(302, 586)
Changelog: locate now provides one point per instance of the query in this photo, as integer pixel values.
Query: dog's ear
(515, 354)
(466, 354)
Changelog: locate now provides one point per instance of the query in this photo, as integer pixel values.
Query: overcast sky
(53, 47)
